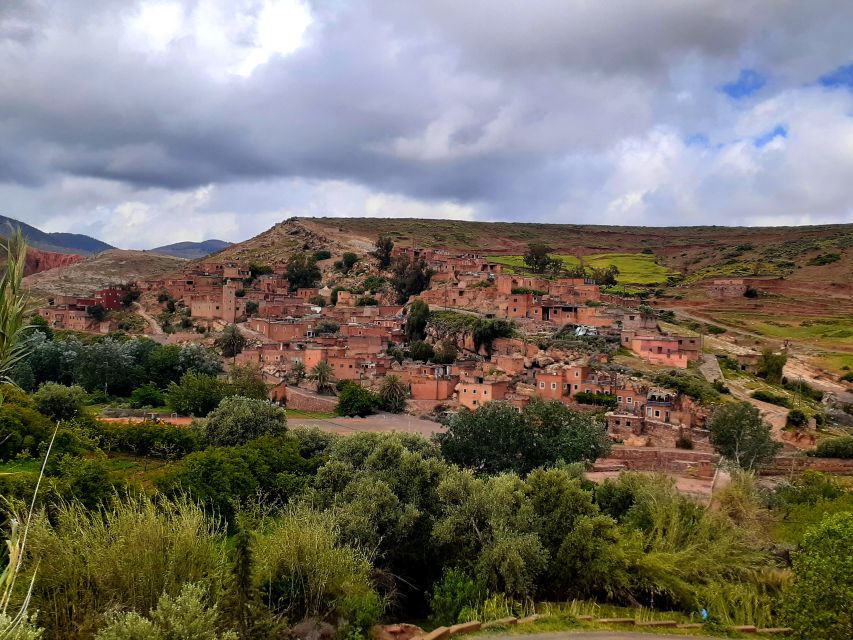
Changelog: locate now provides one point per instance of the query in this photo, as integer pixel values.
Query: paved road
(593, 635)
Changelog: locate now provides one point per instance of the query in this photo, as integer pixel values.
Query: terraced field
(634, 268)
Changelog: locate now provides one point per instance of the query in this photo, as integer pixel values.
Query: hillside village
(457, 328)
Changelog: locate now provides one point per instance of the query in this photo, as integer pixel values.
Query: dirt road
(156, 329)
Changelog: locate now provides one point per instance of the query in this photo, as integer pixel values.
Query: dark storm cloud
(541, 108)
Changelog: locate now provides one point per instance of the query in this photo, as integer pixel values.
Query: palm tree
(393, 392)
(323, 375)
(297, 372)
(231, 341)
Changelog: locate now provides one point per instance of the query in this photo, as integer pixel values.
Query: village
(364, 335)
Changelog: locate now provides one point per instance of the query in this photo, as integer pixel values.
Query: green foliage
(455, 592)
(834, 448)
(416, 320)
(740, 435)
(303, 570)
(445, 353)
(150, 439)
(770, 366)
(22, 430)
(366, 301)
(248, 381)
(420, 350)
(348, 260)
(487, 330)
(847, 377)
(196, 394)
(182, 617)
(538, 259)
(690, 385)
(796, 418)
(393, 393)
(525, 290)
(824, 258)
(231, 341)
(148, 395)
(251, 308)
(382, 251)
(817, 603)
(409, 277)
(302, 272)
(323, 376)
(238, 419)
(58, 402)
(498, 438)
(373, 283)
(222, 477)
(355, 400)
(123, 558)
(600, 399)
(321, 254)
(326, 328)
(772, 398)
(317, 301)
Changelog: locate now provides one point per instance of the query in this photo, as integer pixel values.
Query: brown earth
(38, 260)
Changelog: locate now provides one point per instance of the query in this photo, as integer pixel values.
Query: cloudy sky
(148, 122)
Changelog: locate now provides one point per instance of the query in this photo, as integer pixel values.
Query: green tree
(251, 308)
(248, 381)
(537, 257)
(382, 251)
(323, 377)
(393, 393)
(237, 420)
(410, 277)
(196, 394)
(37, 323)
(740, 435)
(256, 270)
(231, 341)
(817, 604)
(421, 350)
(297, 372)
(147, 395)
(770, 365)
(355, 400)
(416, 320)
(302, 272)
(348, 261)
(59, 402)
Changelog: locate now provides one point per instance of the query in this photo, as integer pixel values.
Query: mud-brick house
(474, 391)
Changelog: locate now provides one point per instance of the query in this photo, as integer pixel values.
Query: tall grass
(124, 557)
(14, 305)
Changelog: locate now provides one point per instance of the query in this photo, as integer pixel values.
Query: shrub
(816, 605)
(317, 301)
(305, 571)
(772, 398)
(355, 400)
(796, 418)
(847, 377)
(196, 394)
(153, 439)
(421, 350)
(366, 301)
(690, 385)
(683, 442)
(600, 399)
(455, 592)
(824, 258)
(321, 254)
(124, 558)
(834, 448)
(147, 396)
(739, 434)
(238, 419)
(59, 402)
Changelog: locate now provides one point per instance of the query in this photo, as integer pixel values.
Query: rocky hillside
(109, 267)
(38, 260)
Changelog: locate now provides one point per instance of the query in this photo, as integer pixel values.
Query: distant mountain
(192, 250)
(56, 242)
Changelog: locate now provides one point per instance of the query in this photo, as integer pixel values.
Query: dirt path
(156, 329)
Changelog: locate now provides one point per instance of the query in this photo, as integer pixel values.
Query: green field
(818, 331)
(634, 268)
(295, 414)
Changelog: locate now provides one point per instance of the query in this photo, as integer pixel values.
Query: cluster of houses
(79, 314)
(292, 330)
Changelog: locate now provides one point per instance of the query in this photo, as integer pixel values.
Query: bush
(847, 377)
(59, 402)
(196, 394)
(147, 396)
(355, 400)
(238, 419)
(321, 254)
(421, 350)
(449, 597)
(366, 301)
(834, 448)
(153, 439)
(772, 398)
(690, 385)
(739, 434)
(599, 399)
(796, 418)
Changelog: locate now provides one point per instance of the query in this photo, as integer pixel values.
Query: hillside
(109, 267)
(192, 250)
(54, 242)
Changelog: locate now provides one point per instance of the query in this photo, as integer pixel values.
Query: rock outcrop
(38, 260)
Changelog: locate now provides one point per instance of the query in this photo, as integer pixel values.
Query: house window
(657, 413)
(627, 423)
(475, 403)
(541, 385)
(619, 398)
(553, 386)
(474, 391)
(485, 392)
(576, 387)
(630, 400)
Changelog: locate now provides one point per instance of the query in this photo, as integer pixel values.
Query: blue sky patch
(779, 131)
(840, 77)
(748, 82)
